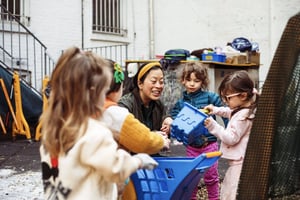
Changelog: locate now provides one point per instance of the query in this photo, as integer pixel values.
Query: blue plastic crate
(188, 124)
(213, 57)
(174, 178)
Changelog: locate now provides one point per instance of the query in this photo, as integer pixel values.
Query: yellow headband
(146, 68)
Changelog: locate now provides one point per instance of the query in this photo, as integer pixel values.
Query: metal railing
(22, 51)
(117, 53)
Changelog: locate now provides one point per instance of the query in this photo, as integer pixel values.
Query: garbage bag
(242, 44)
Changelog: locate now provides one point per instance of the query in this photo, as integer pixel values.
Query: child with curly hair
(194, 77)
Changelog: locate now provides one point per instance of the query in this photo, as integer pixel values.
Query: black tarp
(32, 102)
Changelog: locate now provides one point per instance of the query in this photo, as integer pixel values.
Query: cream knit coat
(90, 169)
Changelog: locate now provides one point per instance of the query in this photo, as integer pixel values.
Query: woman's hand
(167, 141)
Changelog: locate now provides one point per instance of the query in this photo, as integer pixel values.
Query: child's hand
(147, 162)
(207, 121)
(210, 108)
(166, 125)
(204, 111)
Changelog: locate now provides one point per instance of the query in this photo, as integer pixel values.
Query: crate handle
(213, 154)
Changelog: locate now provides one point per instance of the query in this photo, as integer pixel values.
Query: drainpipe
(82, 25)
(151, 31)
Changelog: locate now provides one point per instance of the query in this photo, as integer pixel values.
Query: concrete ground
(20, 171)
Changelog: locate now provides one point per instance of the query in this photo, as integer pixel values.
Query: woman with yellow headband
(131, 134)
(143, 101)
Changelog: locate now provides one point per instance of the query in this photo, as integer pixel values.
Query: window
(13, 6)
(107, 15)
(17, 8)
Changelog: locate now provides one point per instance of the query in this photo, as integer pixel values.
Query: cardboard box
(254, 57)
(241, 59)
(251, 57)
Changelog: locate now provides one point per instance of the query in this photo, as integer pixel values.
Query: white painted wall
(194, 24)
(57, 23)
(189, 24)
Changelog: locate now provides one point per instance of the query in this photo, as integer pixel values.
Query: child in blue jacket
(194, 78)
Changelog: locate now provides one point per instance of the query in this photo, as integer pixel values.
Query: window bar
(7, 15)
(111, 15)
(7, 8)
(14, 8)
(103, 14)
(108, 17)
(117, 16)
(94, 10)
(96, 15)
(22, 13)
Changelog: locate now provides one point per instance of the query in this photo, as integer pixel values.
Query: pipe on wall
(151, 29)
(82, 24)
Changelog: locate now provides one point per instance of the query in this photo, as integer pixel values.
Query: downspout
(133, 29)
(82, 25)
(151, 31)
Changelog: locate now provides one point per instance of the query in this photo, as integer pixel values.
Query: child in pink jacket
(238, 92)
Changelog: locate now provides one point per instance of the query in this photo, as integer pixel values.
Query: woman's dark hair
(134, 83)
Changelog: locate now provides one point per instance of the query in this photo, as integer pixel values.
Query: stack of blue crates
(214, 57)
(188, 124)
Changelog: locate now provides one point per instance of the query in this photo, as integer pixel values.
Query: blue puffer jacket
(199, 100)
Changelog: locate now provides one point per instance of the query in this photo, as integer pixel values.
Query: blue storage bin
(174, 178)
(214, 57)
(188, 124)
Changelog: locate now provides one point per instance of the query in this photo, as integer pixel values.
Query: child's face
(235, 99)
(192, 84)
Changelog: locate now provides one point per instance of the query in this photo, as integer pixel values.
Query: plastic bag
(241, 44)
